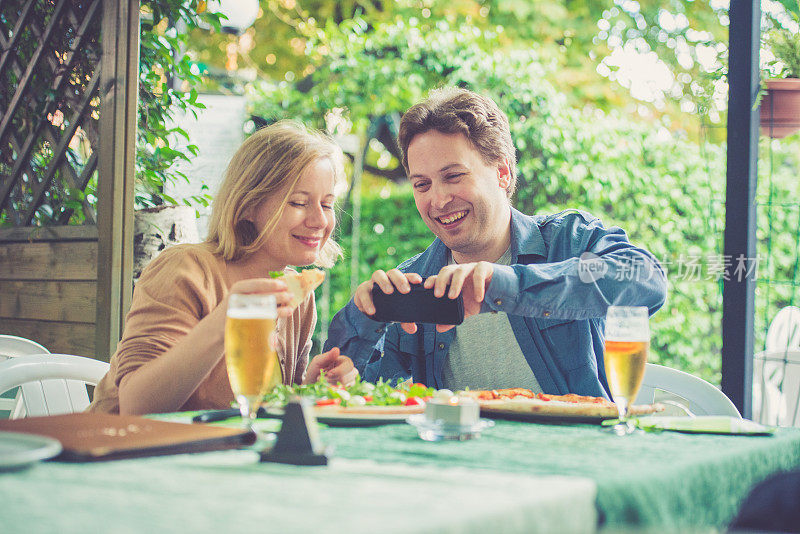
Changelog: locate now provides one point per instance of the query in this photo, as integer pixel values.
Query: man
(535, 288)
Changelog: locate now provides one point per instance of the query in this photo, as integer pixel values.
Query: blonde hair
(453, 110)
(269, 162)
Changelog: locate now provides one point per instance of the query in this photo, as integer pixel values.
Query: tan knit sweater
(178, 288)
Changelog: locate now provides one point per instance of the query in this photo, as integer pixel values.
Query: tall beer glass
(250, 349)
(627, 343)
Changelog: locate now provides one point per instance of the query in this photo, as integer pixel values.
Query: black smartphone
(418, 306)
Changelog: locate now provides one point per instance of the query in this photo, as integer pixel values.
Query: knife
(216, 415)
(212, 416)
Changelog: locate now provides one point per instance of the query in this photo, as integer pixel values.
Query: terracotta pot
(780, 108)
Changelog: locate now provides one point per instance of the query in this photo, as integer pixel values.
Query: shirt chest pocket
(413, 356)
(566, 340)
(423, 343)
(408, 344)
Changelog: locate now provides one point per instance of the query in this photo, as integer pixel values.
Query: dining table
(515, 477)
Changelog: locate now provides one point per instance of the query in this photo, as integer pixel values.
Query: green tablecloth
(231, 492)
(385, 479)
(663, 479)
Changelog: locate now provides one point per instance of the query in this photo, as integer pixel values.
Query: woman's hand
(337, 368)
(266, 286)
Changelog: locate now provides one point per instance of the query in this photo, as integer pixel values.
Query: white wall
(217, 132)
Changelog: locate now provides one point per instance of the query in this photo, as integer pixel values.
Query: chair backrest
(784, 330)
(700, 397)
(12, 347)
(776, 387)
(41, 394)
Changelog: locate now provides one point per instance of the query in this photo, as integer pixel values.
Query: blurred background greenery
(617, 107)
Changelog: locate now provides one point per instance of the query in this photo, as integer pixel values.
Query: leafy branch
(167, 81)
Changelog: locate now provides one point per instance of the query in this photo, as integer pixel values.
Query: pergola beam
(738, 296)
(119, 90)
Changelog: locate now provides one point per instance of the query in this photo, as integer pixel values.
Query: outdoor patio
(656, 119)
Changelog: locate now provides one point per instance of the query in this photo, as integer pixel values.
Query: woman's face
(306, 222)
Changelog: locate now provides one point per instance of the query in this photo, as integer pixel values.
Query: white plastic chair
(12, 347)
(776, 371)
(41, 395)
(776, 387)
(698, 396)
(784, 330)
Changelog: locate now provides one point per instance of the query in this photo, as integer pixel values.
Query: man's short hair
(453, 110)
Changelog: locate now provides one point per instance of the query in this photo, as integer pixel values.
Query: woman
(275, 208)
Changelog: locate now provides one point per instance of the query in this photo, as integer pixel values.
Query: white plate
(340, 418)
(360, 419)
(18, 450)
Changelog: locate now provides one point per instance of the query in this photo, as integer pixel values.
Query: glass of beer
(250, 350)
(627, 343)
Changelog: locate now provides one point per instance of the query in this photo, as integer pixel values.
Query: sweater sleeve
(599, 268)
(176, 290)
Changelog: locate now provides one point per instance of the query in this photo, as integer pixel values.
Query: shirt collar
(527, 244)
(526, 238)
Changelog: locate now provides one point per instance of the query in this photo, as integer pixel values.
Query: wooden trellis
(49, 128)
(68, 73)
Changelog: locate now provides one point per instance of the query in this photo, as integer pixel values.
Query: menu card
(90, 437)
(706, 424)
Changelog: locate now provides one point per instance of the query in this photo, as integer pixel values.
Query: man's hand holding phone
(388, 282)
(465, 282)
(470, 280)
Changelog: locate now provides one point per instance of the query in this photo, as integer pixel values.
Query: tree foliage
(782, 40)
(168, 81)
(665, 190)
(684, 41)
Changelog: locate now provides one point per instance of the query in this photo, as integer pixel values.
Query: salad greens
(361, 393)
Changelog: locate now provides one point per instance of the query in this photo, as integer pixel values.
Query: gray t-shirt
(485, 354)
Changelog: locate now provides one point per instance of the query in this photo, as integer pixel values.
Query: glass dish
(436, 430)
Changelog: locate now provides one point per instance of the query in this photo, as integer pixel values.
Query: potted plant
(780, 105)
(166, 86)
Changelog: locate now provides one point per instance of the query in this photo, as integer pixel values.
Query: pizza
(302, 284)
(522, 402)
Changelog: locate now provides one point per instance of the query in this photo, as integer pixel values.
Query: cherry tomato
(328, 402)
(414, 401)
(368, 398)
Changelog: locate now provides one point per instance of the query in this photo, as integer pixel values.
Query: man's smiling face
(460, 197)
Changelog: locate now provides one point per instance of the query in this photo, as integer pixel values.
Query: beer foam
(637, 337)
(252, 313)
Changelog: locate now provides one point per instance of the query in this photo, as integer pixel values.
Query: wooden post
(355, 196)
(119, 89)
(738, 295)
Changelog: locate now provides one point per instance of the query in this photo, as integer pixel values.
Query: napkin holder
(298, 440)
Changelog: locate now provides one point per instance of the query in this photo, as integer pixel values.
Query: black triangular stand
(298, 441)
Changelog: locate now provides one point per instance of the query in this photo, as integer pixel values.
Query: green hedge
(665, 190)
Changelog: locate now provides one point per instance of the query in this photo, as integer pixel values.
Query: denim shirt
(566, 270)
